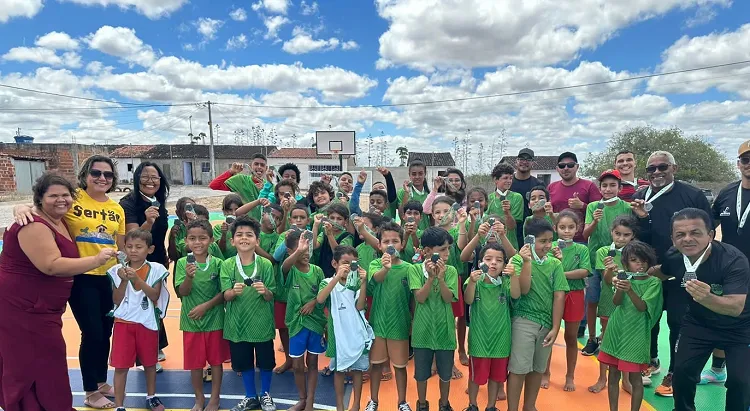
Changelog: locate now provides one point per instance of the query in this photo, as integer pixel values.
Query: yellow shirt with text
(95, 225)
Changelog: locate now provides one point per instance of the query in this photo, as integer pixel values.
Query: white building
(311, 165)
(544, 167)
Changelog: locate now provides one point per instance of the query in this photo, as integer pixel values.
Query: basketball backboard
(335, 142)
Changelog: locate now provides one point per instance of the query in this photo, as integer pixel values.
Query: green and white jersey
(489, 334)
(281, 285)
(495, 207)
(546, 217)
(602, 235)
(303, 288)
(424, 223)
(366, 255)
(390, 317)
(229, 250)
(575, 257)
(243, 185)
(434, 325)
(546, 278)
(206, 284)
(249, 317)
(606, 305)
(268, 241)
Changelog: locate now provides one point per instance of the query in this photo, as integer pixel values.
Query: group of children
(372, 293)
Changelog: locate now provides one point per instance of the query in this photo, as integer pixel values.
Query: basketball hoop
(335, 154)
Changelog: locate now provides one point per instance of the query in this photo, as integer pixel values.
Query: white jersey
(136, 307)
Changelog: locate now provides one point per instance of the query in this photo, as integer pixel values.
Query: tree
(201, 137)
(403, 154)
(697, 159)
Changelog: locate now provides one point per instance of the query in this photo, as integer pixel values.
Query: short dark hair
(292, 238)
(627, 221)
(346, 173)
(276, 207)
(338, 208)
(502, 169)
(285, 183)
(230, 199)
(621, 152)
(180, 206)
(417, 163)
(316, 187)
(204, 224)
(47, 180)
(538, 188)
(389, 226)
(435, 237)
(413, 205)
(290, 166)
(376, 219)
(640, 250)
(163, 192)
(201, 210)
(443, 200)
(473, 190)
(567, 213)
(343, 250)
(300, 207)
(379, 193)
(493, 246)
(260, 156)
(245, 221)
(140, 234)
(538, 226)
(691, 213)
(86, 168)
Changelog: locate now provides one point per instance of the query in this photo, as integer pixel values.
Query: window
(545, 178)
(316, 171)
(130, 167)
(205, 167)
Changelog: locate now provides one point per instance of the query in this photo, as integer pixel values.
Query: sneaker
(712, 377)
(404, 406)
(120, 409)
(207, 377)
(371, 406)
(266, 402)
(654, 367)
(646, 378)
(490, 409)
(471, 407)
(446, 407)
(592, 346)
(665, 389)
(420, 406)
(159, 368)
(247, 404)
(161, 357)
(154, 404)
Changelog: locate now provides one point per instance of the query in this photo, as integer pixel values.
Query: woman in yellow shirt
(95, 222)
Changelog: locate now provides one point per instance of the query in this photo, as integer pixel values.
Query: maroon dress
(33, 367)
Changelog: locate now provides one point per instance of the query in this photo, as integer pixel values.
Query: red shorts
(483, 369)
(575, 306)
(458, 306)
(199, 348)
(624, 366)
(131, 340)
(279, 314)
(369, 308)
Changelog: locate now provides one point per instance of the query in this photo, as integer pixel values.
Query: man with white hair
(655, 207)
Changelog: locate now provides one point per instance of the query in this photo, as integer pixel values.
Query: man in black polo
(655, 207)
(523, 182)
(714, 278)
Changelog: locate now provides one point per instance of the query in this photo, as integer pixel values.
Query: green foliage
(697, 159)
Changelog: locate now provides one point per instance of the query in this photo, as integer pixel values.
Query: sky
(413, 73)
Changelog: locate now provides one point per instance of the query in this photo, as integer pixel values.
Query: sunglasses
(108, 175)
(566, 165)
(661, 167)
(745, 160)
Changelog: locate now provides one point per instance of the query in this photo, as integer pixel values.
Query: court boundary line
(225, 397)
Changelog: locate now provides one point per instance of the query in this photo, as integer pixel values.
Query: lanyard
(611, 200)
(208, 263)
(242, 271)
(414, 190)
(613, 247)
(502, 194)
(495, 281)
(154, 202)
(691, 268)
(539, 261)
(649, 206)
(741, 220)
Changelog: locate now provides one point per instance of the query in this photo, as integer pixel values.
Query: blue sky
(256, 55)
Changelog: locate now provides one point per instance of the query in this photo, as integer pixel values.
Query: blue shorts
(594, 288)
(362, 364)
(306, 341)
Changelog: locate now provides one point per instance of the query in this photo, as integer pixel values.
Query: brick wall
(7, 175)
(59, 157)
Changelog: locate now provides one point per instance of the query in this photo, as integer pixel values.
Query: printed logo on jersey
(717, 289)
(342, 307)
(725, 213)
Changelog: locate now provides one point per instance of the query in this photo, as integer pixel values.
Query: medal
(691, 269)
(741, 220)
(563, 244)
(649, 206)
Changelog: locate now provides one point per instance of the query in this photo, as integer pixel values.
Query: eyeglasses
(146, 179)
(108, 175)
(568, 165)
(661, 167)
(745, 160)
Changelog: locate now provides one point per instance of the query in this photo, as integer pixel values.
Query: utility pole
(190, 120)
(217, 133)
(211, 142)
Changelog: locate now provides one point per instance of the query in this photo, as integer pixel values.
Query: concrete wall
(553, 174)
(122, 164)
(60, 157)
(7, 175)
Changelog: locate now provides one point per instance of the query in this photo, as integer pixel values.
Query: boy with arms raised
(435, 287)
(202, 314)
(536, 315)
(248, 284)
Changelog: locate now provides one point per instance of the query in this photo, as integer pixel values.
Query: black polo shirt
(725, 214)
(727, 271)
(523, 187)
(135, 207)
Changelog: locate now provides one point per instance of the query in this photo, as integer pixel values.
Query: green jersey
(546, 217)
(489, 334)
(229, 250)
(606, 305)
(301, 289)
(602, 234)
(243, 185)
(390, 317)
(628, 333)
(546, 278)
(281, 285)
(408, 253)
(206, 284)
(495, 207)
(434, 324)
(268, 241)
(424, 223)
(575, 257)
(249, 317)
(365, 255)
(454, 259)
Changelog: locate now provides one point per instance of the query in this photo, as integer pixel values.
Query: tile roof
(540, 162)
(433, 159)
(130, 151)
(165, 151)
(302, 152)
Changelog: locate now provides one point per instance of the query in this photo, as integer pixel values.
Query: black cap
(567, 154)
(526, 152)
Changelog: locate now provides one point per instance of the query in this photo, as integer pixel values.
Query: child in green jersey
(319, 195)
(541, 208)
(489, 291)
(202, 313)
(221, 234)
(349, 335)
(599, 218)
(248, 284)
(505, 203)
(179, 230)
(329, 231)
(536, 315)
(435, 286)
(412, 232)
(390, 316)
(608, 263)
(270, 220)
(577, 266)
(304, 316)
(417, 189)
(452, 184)
(638, 301)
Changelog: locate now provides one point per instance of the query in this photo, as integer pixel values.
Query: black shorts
(246, 356)
(423, 358)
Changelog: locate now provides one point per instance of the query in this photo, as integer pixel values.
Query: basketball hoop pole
(341, 159)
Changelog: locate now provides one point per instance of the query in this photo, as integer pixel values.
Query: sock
(718, 363)
(265, 380)
(248, 380)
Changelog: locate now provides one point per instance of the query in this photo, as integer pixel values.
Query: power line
(69, 109)
(73, 97)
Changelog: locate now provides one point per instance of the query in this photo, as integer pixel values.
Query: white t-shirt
(354, 335)
(136, 307)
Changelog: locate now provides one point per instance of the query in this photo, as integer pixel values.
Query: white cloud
(19, 8)
(153, 9)
(121, 42)
(238, 14)
(272, 6)
(273, 25)
(424, 34)
(42, 55)
(237, 42)
(302, 43)
(56, 40)
(188, 47)
(308, 9)
(207, 28)
(349, 45)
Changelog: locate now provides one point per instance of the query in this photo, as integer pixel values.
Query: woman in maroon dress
(37, 264)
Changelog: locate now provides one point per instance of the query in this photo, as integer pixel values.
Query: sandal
(326, 372)
(387, 376)
(348, 380)
(365, 376)
(106, 390)
(101, 402)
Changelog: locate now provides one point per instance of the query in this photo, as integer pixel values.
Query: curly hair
(317, 187)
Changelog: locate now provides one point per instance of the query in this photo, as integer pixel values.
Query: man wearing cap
(655, 207)
(572, 192)
(523, 182)
(625, 165)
